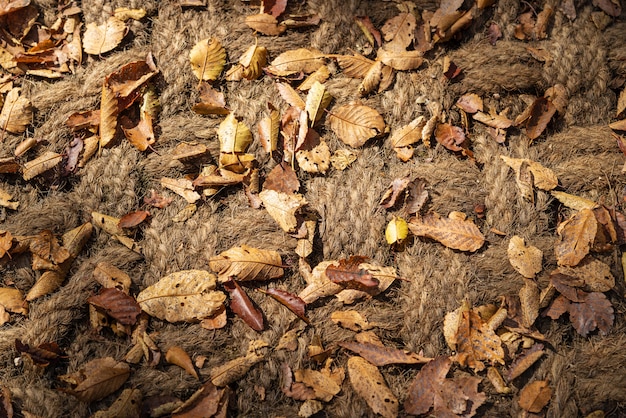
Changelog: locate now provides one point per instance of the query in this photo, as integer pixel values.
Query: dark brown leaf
(72, 152)
(350, 275)
(566, 285)
(117, 305)
(541, 112)
(282, 179)
(43, 354)
(381, 355)
(595, 312)
(524, 361)
(133, 219)
(424, 387)
(610, 7)
(292, 302)
(243, 307)
(395, 189)
(558, 307)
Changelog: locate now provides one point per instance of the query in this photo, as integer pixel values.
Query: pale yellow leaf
(187, 295)
(544, 178)
(354, 124)
(370, 385)
(17, 112)
(316, 160)
(451, 323)
(296, 60)
(397, 230)
(234, 136)
(619, 125)
(207, 59)
(283, 207)
(458, 234)
(351, 320)
(408, 134)
(574, 202)
(246, 263)
(316, 102)
(183, 187)
(41, 164)
(525, 259)
(100, 39)
(400, 60)
(124, 13)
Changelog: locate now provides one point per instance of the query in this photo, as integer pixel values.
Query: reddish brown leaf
(208, 401)
(366, 23)
(292, 302)
(566, 285)
(535, 396)
(421, 393)
(117, 304)
(156, 200)
(83, 120)
(97, 379)
(477, 342)
(395, 189)
(72, 151)
(350, 275)
(558, 307)
(133, 219)
(274, 7)
(610, 7)
(541, 112)
(282, 179)
(295, 390)
(524, 361)
(43, 354)
(243, 307)
(450, 136)
(595, 312)
(6, 408)
(381, 355)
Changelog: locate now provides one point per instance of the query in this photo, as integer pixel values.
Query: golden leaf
(12, 300)
(342, 158)
(265, 23)
(237, 368)
(397, 230)
(290, 95)
(247, 263)
(575, 237)
(525, 259)
(476, 341)
(207, 59)
(234, 135)
(351, 320)
(41, 164)
(97, 379)
(400, 60)
(543, 177)
(109, 110)
(354, 124)
(17, 112)
(250, 64)
(370, 385)
(573, 201)
(296, 60)
(320, 75)
(355, 66)
(283, 207)
(127, 405)
(325, 385)
(269, 127)
(317, 101)
(187, 295)
(48, 282)
(100, 39)
(315, 160)
(6, 200)
(454, 233)
(495, 121)
(535, 396)
(178, 356)
(372, 79)
(182, 187)
(408, 134)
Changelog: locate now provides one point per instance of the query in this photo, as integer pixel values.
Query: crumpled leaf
(41, 164)
(110, 276)
(470, 102)
(575, 237)
(354, 124)
(282, 179)
(246, 263)
(382, 355)
(243, 307)
(104, 38)
(42, 355)
(187, 295)
(124, 13)
(117, 304)
(450, 136)
(370, 385)
(596, 274)
(17, 112)
(540, 113)
(97, 379)
(325, 383)
(535, 396)
(318, 284)
(176, 355)
(476, 341)
(453, 232)
(250, 64)
(290, 95)
(6, 242)
(320, 75)
(296, 60)
(526, 259)
(212, 102)
(207, 59)
(594, 312)
(237, 368)
(183, 187)
(234, 136)
(127, 405)
(6, 200)
(283, 207)
(295, 390)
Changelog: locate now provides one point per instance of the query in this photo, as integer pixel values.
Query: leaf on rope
(524, 361)
(268, 128)
(274, 7)
(596, 275)
(369, 30)
(6, 242)
(12, 300)
(212, 102)
(246, 263)
(17, 112)
(104, 38)
(97, 379)
(207, 401)
(320, 75)
(42, 355)
(283, 207)
(453, 231)
(446, 15)
(318, 284)
(295, 390)
(250, 66)
(265, 24)
(314, 156)
(127, 405)
(234, 136)
(325, 383)
(417, 195)
(156, 200)
(282, 179)
(41, 164)
(183, 187)
(535, 396)
(476, 341)
(290, 95)
(317, 101)
(574, 202)
(369, 384)
(396, 189)
(495, 121)
(526, 259)
(109, 276)
(541, 112)
(207, 59)
(397, 230)
(450, 136)
(381, 355)
(399, 30)
(610, 7)
(295, 61)
(543, 178)
(354, 124)
(351, 320)
(117, 304)
(529, 296)
(132, 219)
(292, 302)
(187, 295)
(400, 60)
(595, 312)
(408, 134)
(355, 66)
(470, 102)
(176, 355)
(349, 274)
(575, 237)
(237, 368)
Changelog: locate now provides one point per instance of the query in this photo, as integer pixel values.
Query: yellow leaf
(543, 177)
(408, 134)
(283, 207)
(178, 356)
(290, 95)
(354, 124)
(525, 259)
(41, 164)
(319, 75)
(575, 237)
(315, 160)
(187, 295)
(355, 66)
(400, 60)
(397, 230)
(124, 13)
(296, 60)
(12, 300)
(17, 112)
(351, 320)
(316, 102)
(250, 64)
(370, 385)
(207, 59)
(97, 379)
(182, 187)
(100, 39)
(247, 263)
(234, 135)
(454, 233)
(574, 202)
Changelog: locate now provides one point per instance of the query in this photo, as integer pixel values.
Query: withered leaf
(274, 7)
(183, 187)
(524, 361)
(495, 121)
(97, 379)
(45, 245)
(342, 158)
(450, 136)
(381, 355)
(268, 128)
(17, 112)
(292, 302)
(208, 401)
(399, 30)
(543, 177)
(370, 384)
(212, 102)
(42, 355)
(535, 396)
(110, 276)
(127, 405)
(596, 274)
(283, 207)
(477, 341)
(396, 189)
(100, 39)
(117, 304)
(132, 219)
(295, 390)
(351, 320)
(575, 237)
(318, 284)
(207, 59)
(6, 242)
(610, 7)
(13, 300)
(497, 381)
(218, 320)
(349, 274)
(282, 179)
(320, 75)
(526, 259)
(446, 15)
(234, 136)
(317, 100)
(325, 383)
(157, 200)
(400, 60)
(41, 164)
(176, 355)
(237, 368)
(471, 103)
(265, 24)
(425, 386)
(109, 111)
(355, 66)
(369, 30)
(314, 159)
(408, 134)
(246, 263)
(452, 232)
(595, 312)
(417, 195)
(296, 60)
(250, 64)
(529, 296)
(354, 124)
(187, 295)
(541, 113)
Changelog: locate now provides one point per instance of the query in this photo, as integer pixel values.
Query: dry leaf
(97, 379)
(110, 276)
(6, 200)
(320, 75)
(596, 274)
(208, 401)
(207, 59)
(541, 112)
(319, 285)
(157, 200)
(381, 355)
(452, 232)
(470, 102)
(477, 341)
(594, 312)
(610, 7)
(575, 237)
(372, 78)
(117, 304)
(425, 386)
(283, 207)
(100, 39)
(295, 61)
(295, 390)
(543, 178)
(243, 307)
(178, 356)
(217, 321)
(355, 66)
(246, 263)
(497, 381)
(574, 202)
(495, 121)
(394, 191)
(132, 219)
(292, 302)
(535, 396)
(399, 31)
(525, 259)
(450, 136)
(269, 127)
(41, 164)
(12, 300)
(237, 368)
(183, 187)
(6, 242)
(529, 300)
(212, 102)
(250, 64)
(342, 158)
(324, 385)
(317, 101)
(397, 230)
(524, 361)
(349, 274)
(400, 60)
(369, 383)
(408, 134)
(351, 320)
(290, 95)
(385, 276)
(17, 112)
(282, 179)
(187, 295)
(124, 13)
(314, 160)
(354, 124)
(234, 135)
(127, 405)
(265, 24)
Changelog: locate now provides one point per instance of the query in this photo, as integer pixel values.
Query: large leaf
(187, 295)
(453, 232)
(296, 60)
(246, 263)
(400, 30)
(400, 60)
(354, 124)
(207, 59)
(100, 39)
(370, 384)
(575, 237)
(41, 164)
(17, 112)
(97, 379)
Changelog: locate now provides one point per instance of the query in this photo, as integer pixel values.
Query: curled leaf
(178, 356)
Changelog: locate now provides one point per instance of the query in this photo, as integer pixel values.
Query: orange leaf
(524, 361)
(265, 23)
(535, 396)
(133, 219)
(452, 232)
(476, 342)
(381, 355)
(575, 237)
(450, 136)
(178, 356)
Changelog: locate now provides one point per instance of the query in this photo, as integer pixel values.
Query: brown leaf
(178, 356)
(541, 112)
(100, 39)
(117, 304)
(127, 405)
(446, 15)
(596, 274)
(417, 195)
(369, 30)
(283, 207)
(494, 33)
(529, 300)
(42, 355)
(426, 385)
(183, 187)
(156, 200)
(450, 136)
(355, 66)
(290, 95)
(212, 102)
(351, 320)
(452, 232)
(497, 381)
(282, 179)
(535, 396)
(575, 237)
(217, 321)
(397, 188)
(187, 295)
(495, 121)
(243, 307)
(265, 24)
(324, 385)
(132, 219)
(208, 401)
(400, 60)
(13, 300)
(382, 356)
(295, 61)
(97, 379)
(543, 178)
(207, 59)
(477, 341)
(17, 112)
(471, 103)
(237, 368)
(295, 390)
(46, 246)
(318, 284)
(524, 361)
(354, 124)
(6, 242)
(610, 7)
(292, 302)
(349, 274)
(408, 134)
(370, 385)
(274, 7)
(247, 263)
(110, 276)
(399, 30)
(526, 259)
(41, 164)
(595, 312)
